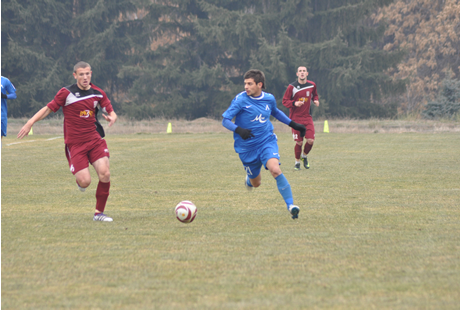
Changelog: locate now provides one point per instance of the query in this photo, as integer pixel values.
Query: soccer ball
(185, 211)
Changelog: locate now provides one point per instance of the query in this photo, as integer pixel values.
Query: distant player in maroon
(83, 134)
(298, 98)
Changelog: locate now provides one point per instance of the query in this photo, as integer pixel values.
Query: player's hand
(299, 127)
(24, 131)
(298, 103)
(244, 133)
(111, 118)
(4, 96)
(316, 102)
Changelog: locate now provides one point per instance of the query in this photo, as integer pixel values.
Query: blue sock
(285, 189)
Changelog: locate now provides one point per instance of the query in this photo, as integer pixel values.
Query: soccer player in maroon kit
(297, 98)
(83, 135)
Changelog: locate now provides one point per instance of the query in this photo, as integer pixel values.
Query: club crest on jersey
(77, 94)
(259, 118)
(86, 114)
(267, 108)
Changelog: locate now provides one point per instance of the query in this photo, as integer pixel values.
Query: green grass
(378, 228)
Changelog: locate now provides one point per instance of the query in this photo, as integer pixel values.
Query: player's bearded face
(83, 77)
(251, 88)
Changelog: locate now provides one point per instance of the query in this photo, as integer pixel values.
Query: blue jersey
(7, 88)
(252, 113)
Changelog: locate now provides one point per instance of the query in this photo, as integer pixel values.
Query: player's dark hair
(306, 68)
(80, 65)
(257, 75)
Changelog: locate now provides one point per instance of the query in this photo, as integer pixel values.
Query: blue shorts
(253, 160)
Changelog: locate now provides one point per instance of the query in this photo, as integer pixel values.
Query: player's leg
(283, 186)
(99, 158)
(78, 165)
(83, 178)
(4, 127)
(252, 166)
(270, 158)
(309, 140)
(297, 148)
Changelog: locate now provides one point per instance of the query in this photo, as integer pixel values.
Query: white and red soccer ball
(186, 211)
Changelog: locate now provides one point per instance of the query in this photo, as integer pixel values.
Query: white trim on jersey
(258, 98)
(71, 98)
(296, 90)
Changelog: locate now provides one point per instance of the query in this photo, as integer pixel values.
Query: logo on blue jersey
(260, 119)
(248, 170)
(267, 108)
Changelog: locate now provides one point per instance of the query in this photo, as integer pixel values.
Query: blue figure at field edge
(8, 92)
(255, 141)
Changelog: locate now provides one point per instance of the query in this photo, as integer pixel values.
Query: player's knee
(104, 176)
(310, 141)
(299, 143)
(275, 172)
(84, 182)
(256, 183)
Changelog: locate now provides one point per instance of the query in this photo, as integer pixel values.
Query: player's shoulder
(5, 80)
(241, 97)
(269, 96)
(311, 82)
(97, 89)
(70, 88)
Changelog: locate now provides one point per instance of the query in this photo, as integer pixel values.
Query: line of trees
(186, 58)
(429, 32)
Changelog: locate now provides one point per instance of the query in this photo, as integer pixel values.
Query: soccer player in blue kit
(255, 141)
(8, 92)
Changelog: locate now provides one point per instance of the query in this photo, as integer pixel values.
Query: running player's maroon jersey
(300, 92)
(79, 108)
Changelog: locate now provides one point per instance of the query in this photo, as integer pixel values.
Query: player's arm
(279, 115)
(228, 115)
(244, 133)
(315, 97)
(44, 112)
(287, 98)
(11, 92)
(111, 117)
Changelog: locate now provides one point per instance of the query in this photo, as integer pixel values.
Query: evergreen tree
(203, 48)
(43, 39)
(35, 36)
(447, 103)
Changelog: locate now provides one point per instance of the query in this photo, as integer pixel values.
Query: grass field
(379, 226)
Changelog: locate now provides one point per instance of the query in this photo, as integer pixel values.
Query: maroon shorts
(309, 134)
(80, 154)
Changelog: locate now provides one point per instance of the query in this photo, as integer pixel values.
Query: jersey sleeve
(288, 102)
(105, 103)
(233, 109)
(314, 94)
(278, 114)
(59, 100)
(11, 90)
